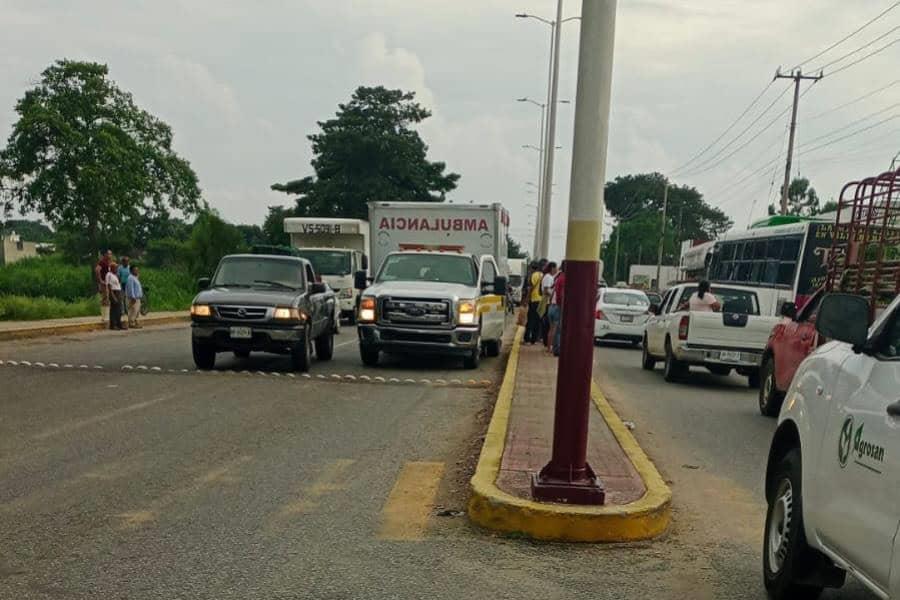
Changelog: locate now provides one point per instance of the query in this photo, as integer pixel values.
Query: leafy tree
(802, 199)
(32, 231)
(514, 249)
(252, 234)
(273, 226)
(369, 152)
(638, 243)
(829, 206)
(86, 157)
(211, 239)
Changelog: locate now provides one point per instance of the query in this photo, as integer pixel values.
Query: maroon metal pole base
(568, 477)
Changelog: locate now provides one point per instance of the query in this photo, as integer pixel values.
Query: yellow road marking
(75, 425)
(405, 515)
(331, 479)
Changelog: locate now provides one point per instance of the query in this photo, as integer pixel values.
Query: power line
(849, 135)
(863, 47)
(848, 36)
(848, 126)
(861, 59)
(727, 129)
(851, 102)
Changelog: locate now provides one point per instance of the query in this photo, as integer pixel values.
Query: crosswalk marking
(409, 505)
(74, 425)
(331, 479)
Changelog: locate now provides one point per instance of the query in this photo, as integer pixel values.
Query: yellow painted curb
(38, 331)
(492, 508)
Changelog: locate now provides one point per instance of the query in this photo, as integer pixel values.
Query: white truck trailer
(478, 229)
(337, 249)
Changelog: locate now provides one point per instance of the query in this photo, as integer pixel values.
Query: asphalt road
(133, 484)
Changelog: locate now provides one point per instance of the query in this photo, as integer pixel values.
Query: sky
(243, 84)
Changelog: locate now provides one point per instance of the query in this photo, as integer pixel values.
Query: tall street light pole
(540, 185)
(568, 477)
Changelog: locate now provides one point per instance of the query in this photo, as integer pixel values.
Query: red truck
(864, 259)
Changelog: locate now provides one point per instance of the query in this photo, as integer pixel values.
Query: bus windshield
(428, 267)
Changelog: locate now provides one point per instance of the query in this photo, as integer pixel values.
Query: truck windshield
(328, 262)
(258, 271)
(428, 267)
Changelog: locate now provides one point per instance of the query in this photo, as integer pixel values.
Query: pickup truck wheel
(492, 348)
(647, 361)
(335, 327)
(673, 370)
(368, 355)
(786, 556)
(301, 355)
(753, 379)
(474, 359)
(204, 355)
(770, 398)
(325, 345)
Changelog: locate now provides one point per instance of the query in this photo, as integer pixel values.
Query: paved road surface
(137, 485)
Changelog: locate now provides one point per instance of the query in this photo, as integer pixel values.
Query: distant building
(644, 276)
(13, 248)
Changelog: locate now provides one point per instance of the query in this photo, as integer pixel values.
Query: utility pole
(662, 237)
(550, 137)
(616, 263)
(568, 477)
(797, 76)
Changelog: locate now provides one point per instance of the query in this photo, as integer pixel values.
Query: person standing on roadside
(100, 271)
(114, 290)
(123, 272)
(556, 308)
(134, 293)
(546, 293)
(533, 327)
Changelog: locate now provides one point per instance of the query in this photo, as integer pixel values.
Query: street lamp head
(522, 15)
(521, 99)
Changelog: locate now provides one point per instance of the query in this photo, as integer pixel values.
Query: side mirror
(654, 309)
(844, 317)
(365, 262)
(789, 310)
(360, 280)
(317, 287)
(500, 285)
(203, 283)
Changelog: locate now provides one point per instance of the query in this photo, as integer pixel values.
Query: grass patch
(23, 308)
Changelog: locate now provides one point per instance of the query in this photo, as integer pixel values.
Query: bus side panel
(813, 261)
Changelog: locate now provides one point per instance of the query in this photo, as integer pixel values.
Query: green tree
(829, 206)
(86, 157)
(211, 239)
(802, 199)
(273, 226)
(252, 234)
(514, 248)
(369, 152)
(32, 231)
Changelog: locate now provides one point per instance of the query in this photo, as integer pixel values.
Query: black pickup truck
(263, 303)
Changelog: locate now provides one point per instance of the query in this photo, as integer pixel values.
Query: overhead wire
(849, 135)
(848, 125)
(852, 52)
(861, 59)
(851, 102)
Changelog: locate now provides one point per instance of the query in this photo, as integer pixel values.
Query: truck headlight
(284, 313)
(466, 310)
(201, 310)
(346, 293)
(367, 310)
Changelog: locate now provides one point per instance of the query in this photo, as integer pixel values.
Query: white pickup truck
(720, 341)
(833, 475)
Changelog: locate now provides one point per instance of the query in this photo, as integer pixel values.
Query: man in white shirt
(546, 295)
(115, 297)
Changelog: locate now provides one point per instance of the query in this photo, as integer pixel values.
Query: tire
(648, 363)
(770, 398)
(673, 370)
(204, 355)
(492, 347)
(351, 320)
(335, 327)
(474, 359)
(369, 355)
(325, 345)
(786, 556)
(145, 307)
(301, 355)
(241, 353)
(753, 379)
(718, 370)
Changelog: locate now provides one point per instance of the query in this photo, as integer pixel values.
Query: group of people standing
(120, 289)
(543, 294)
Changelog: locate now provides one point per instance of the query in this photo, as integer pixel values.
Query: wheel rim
(779, 527)
(768, 384)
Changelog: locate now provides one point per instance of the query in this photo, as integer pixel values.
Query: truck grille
(242, 313)
(415, 311)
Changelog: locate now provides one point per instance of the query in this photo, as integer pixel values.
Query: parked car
(833, 467)
(621, 315)
(720, 341)
(263, 303)
(442, 303)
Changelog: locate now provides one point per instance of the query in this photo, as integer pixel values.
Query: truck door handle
(894, 409)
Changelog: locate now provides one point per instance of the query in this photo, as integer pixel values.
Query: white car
(833, 475)
(620, 315)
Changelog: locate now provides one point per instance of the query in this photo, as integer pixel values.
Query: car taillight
(600, 316)
(683, 327)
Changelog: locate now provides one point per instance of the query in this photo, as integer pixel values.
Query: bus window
(771, 276)
(759, 249)
(786, 273)
(759, 269)
(791, 249)
(746, 251)
(743, 271)
(773, 249)
(727, 253)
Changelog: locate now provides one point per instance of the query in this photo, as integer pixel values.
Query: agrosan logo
(845, 441)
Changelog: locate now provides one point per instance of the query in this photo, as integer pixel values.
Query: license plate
(724, 355)
(241, 333)
(627, 318)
